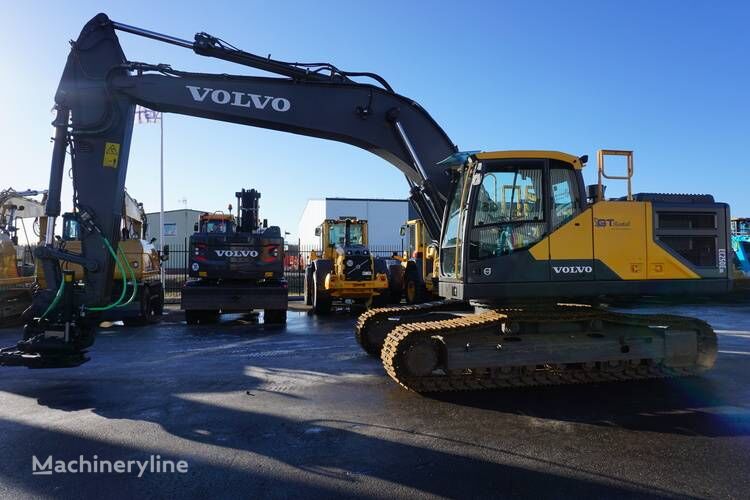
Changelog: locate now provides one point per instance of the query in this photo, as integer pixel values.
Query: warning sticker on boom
(111, 154)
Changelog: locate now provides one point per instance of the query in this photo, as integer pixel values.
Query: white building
(384, 217)
(178, 226)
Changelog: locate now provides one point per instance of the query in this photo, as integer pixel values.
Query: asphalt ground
(300, 412)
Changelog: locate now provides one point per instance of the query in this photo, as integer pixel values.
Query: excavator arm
(95, 103)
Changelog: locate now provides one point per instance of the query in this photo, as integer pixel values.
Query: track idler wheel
(421, 358)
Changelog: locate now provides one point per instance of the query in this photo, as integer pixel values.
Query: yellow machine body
(526, 228)
(420, 264)
(352, 273)
(142, 256)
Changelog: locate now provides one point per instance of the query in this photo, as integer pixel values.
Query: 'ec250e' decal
(572, 269)
(239, 99)
(236, 253)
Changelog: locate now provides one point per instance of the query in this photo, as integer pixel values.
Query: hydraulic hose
(124, 280)
(133, 281)
(118, 302)
(56, 300)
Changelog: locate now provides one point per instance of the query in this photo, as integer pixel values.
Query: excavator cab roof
(217, 216)
(458, 159)
(577, 162)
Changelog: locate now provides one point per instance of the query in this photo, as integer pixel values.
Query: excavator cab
(520, 225)
(216, 224)
(503, 204)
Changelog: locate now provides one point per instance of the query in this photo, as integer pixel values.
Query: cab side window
(564, 198)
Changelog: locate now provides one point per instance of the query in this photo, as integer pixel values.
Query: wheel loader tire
(196, 316)
(309, 283)
(192, 317)
(146, 310)
(321, 299)
(395, 283)
(158, 303)
(414, 289)
(210, 317)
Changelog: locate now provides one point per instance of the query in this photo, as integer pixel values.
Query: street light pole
(161, 210)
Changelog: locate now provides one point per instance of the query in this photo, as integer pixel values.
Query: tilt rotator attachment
(58, 338)
(60, 327)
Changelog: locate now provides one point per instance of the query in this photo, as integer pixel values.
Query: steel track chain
(405, 335)
(367, 319)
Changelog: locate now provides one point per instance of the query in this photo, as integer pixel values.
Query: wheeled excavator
(236, 265)
(526, 251)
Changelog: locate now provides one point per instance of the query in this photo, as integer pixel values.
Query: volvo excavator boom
(96, 101)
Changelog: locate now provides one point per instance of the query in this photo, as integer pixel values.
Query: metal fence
(176, 269)
(296, 258)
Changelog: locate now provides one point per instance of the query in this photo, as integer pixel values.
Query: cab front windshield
(71, 230)
(337, 234)
(218, 226)
(509, 212)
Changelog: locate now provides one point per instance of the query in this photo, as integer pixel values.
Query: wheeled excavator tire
(516, 347)
(274, 316)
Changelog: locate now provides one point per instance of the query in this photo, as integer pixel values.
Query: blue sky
(667, 79)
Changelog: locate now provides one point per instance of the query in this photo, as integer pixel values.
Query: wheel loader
(344, 271)
(419, 274)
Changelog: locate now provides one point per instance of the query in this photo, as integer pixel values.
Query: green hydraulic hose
(56, 300)
(118, 302)
(132, 278)
(124, 280)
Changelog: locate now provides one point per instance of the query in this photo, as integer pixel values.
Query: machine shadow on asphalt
(293, 446)
(683, 407)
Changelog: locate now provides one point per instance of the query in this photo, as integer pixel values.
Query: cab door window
(509, 213)
(564, 198)
(450, 246)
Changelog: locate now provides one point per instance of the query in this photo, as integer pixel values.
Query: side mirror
(402, 231)
(152, 241)
(317, 231)
(195, 227)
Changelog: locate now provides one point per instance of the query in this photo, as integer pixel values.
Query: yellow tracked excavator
(526, 254)
(535, 254)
